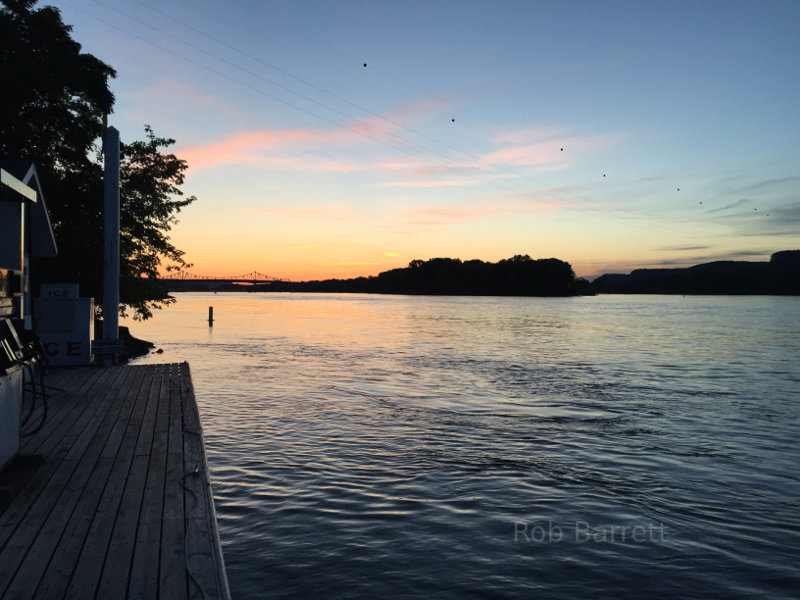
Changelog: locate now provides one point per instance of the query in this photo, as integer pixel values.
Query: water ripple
(394, 447)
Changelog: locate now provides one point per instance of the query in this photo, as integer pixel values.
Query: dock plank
(173, 557)
(77, 472)
(144, 569)
(113, 582)
(33, 505)
(202, 543)
(92, 558)
(122, 505)
(78, 386)
(60, 570)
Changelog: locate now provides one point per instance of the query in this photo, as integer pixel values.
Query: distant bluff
(779, 276)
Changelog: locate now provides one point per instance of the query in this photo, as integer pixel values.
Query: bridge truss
(251, 277)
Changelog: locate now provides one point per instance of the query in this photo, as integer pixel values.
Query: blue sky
(613, 135)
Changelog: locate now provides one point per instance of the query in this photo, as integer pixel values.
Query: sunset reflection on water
(401, 446)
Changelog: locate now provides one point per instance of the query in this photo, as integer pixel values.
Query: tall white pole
(111, 237)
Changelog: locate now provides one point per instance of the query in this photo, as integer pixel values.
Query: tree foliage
(150, 197)
(52, 92)
(517, 276)
(52, 110)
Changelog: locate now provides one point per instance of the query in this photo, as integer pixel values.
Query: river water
(366, 446)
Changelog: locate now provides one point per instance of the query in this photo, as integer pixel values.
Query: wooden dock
(121, 504)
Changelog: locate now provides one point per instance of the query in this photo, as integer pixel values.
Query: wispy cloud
(749, 253)
(773, 222)
(439, 215)
(556, 151)
(731, 206)
(306, 149)
(697, 259)
(181, 98)
(516, 154)
(767, 183)
(317, 212)
(784, 231)
(430, 183)
(788, 214)
(445, 215)
(256, 147)
(347, 264)
(522, 136)
(681, 248)
(601, 267)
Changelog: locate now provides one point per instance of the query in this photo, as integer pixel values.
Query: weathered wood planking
(202, 540)
(121, 506)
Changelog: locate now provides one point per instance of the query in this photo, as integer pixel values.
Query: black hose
(29, 369)
(33, 403)
(36, 358)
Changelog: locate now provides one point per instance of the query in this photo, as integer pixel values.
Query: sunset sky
(335, 139)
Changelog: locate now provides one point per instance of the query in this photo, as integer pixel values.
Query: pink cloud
(519, 150)
(432, 215)
(544, 147)
(247, 147)
(531, 154)
(291, 148)
(430, 183)
(182, 97)
(551, 152)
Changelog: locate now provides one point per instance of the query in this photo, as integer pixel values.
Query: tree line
(519, 275)
(779, 276)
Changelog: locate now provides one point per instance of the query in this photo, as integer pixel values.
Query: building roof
(43, 242)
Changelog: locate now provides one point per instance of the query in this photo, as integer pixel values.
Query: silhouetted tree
(52, 93)
(444, 276)
(520, 275)
(149, 200)
(52, 105)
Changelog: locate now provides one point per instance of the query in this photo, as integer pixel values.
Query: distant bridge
(252, 277)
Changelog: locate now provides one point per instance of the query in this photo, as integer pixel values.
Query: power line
(534, 195)
(399, 141)
(248, 86)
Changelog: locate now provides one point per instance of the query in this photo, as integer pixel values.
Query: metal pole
(111, 237)
(210, 316)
